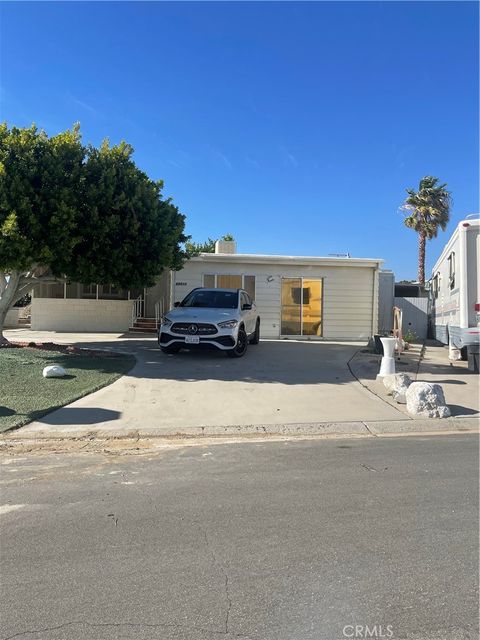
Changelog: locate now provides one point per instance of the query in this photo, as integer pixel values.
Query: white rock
(54, 371)
(400, 398)
(444, 412)
(426, 400)
(397, 383)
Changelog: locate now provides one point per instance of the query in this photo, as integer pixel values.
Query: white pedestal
(387, 366)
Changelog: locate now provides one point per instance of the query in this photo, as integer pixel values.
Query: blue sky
(294, 126)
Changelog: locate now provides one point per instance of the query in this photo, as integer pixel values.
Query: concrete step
(142, 329)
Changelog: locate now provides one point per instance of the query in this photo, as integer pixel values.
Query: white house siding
(159, 293)
(56, 314)
(350, 293)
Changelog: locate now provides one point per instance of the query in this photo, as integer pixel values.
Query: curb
(370, 429)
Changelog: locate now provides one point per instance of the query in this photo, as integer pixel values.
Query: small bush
(410, 337)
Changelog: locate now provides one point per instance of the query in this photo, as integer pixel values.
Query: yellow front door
(301, 307)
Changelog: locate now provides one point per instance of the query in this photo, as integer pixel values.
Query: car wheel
(170, 350)
(255, 339)
(240, 348)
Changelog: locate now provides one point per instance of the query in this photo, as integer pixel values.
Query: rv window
(451, 271)
(435, 284)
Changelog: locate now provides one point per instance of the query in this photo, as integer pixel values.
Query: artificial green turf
(25, 395)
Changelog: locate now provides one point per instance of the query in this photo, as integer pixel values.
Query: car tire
(240, 348)
(170, 350)
(255, 339)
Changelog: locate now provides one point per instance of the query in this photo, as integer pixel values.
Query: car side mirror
(246, 307)
(177, 304)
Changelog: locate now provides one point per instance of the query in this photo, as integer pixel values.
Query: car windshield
(212, 299)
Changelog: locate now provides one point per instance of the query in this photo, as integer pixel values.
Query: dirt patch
(135, 446)
(77, 445)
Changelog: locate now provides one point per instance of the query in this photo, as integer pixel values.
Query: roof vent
(225, 246)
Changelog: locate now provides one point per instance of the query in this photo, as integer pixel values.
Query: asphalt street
(294, 540)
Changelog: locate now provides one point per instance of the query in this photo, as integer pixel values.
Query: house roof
(256, 258)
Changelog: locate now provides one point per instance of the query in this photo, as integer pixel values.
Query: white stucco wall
(350, 293)
(56, 314)
(11, 319)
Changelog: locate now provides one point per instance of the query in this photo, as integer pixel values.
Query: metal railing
(159, 311)
(137, 309)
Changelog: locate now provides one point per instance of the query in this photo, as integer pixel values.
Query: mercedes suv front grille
(193, 329)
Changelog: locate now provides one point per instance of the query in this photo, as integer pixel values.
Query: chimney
(225, 246)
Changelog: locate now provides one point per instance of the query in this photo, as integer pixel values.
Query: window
(226, 281)
(111, 292)
(301, 295)
(56, 290)
(72, 289)
(244, 299)
(89, 291)
(229, 282)
(302, 307)
(435, 285)
(451, 270)
(211, 299)
(249, 286)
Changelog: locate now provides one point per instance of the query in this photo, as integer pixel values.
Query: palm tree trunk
(421, 257)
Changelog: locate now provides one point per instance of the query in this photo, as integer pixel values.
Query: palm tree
(429, 209)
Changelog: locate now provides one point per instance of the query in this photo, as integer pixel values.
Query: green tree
(195, 248)
(79, 212)
(428, 211)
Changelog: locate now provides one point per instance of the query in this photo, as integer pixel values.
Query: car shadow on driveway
(285, 362)
(80, 415)
(289, 362)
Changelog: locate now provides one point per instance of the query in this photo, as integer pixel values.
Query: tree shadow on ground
(285, 362)
(30, 396)
(119, 364)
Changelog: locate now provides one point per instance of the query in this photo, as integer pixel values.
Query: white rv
(455, 291)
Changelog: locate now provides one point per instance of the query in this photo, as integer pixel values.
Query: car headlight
(165, 322)
(228, 324)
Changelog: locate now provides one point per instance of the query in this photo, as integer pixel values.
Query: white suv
(225, 319)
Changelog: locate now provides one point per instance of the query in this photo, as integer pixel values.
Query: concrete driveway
(277, 382)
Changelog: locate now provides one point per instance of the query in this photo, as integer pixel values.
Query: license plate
(192, 339)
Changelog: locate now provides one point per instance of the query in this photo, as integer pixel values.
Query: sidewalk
(428, 364)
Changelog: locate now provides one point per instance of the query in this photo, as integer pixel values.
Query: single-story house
(310, 297)
(78, 307)
(334, 298)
